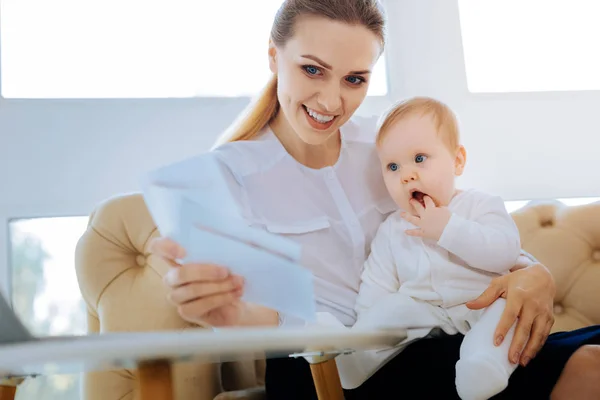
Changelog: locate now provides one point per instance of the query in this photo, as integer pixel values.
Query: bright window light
(512, 206)
(139, 49)
(45, 293)
(531, 46)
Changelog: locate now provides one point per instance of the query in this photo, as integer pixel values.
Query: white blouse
(333, 212)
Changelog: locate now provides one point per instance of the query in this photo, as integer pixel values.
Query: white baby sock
(484, 368)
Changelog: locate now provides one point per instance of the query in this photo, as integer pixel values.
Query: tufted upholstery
(121, 284)
(566, 240)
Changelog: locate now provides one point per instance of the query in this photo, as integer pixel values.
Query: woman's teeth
(319, 117)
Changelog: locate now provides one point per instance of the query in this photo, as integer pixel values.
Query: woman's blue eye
(393, 167)
(311, 70)
(355, 80)
(420, 158)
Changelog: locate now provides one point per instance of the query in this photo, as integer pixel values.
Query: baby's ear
(460, 161)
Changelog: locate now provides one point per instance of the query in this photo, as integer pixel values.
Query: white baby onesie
(422, 285)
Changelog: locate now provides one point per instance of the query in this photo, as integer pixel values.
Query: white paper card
(191, 203)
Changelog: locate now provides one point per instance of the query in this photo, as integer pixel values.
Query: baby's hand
(430, 219)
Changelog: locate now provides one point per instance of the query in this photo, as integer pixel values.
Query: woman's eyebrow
(327, 66)
(318, 60)
(363, 72)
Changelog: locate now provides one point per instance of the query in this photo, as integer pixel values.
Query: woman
(302, 168)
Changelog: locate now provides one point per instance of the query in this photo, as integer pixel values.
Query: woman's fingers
(194, 291)
(166, 248)
(184, 274)
(203, 293)
(190, 273)
(522, 335)
(495, 290)
(507, 319)
(539, 332)
(194, 309)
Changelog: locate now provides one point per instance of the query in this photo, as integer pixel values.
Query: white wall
(62, 157)
(522, 145)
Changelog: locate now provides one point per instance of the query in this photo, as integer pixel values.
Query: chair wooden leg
(155, 381)
(327, 380)
(8, 387)
(8, 392)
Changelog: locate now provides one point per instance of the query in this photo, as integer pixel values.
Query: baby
(441, 249)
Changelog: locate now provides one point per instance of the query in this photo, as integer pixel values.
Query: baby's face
(417, 162)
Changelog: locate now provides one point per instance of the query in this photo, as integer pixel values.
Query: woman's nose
(330, 98)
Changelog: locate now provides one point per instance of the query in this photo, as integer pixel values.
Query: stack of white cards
(191, 203)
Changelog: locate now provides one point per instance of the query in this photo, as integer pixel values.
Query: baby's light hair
(443, 117)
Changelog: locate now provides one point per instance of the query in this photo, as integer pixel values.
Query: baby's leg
(393, 311)
(398, 310)
(484, 368)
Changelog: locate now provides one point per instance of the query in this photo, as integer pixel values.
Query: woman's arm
(529, 291)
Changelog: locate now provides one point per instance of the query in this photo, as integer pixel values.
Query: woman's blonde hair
(265, 106)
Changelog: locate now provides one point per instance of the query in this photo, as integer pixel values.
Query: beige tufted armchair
(567, 241)
(122, 286)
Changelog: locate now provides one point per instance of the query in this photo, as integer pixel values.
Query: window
(530, 46)
(512, 206)
(139, 49)
(45, 293)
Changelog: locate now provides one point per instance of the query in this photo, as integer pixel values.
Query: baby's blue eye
(420, 158)
(393, 167)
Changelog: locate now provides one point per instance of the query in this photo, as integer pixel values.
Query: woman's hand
(529, 292)
(204, 294)
(207, 294)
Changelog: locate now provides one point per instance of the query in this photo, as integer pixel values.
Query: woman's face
(323, 74)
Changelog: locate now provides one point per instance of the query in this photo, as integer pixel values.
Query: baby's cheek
(445, 185)
(397, 194)
(390, 185)
(403, 203)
